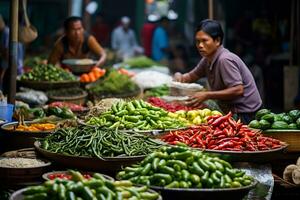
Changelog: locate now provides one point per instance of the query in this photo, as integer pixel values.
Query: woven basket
(79, 99)
(46, 85)
(291, 137)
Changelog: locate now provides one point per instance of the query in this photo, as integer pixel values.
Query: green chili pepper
(174, 184)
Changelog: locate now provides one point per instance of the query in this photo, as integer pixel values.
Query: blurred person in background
(230, 80)
(146, 36)
(160, 42)
(4, 48)
(124, 40)
(76, 44)
(101, 31)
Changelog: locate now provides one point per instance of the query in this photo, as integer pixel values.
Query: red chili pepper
(220, 120)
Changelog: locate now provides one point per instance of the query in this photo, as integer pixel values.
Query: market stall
(211, 154)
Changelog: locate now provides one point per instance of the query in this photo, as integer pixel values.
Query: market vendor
(76, 44)
(231, 83)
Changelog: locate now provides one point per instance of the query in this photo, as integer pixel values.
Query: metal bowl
(77, 67)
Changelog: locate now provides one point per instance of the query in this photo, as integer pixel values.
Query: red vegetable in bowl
(72, 106)
(223, 133)
(65, 176)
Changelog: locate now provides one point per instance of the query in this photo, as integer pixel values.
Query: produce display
(98, 142)
(113, 83)
(140, 62)
(194, 117)
(93, 75)
(222, 133)
(72, 106)
(101, 106)
(135, 114)
(48, 72)
(181, 167)
(292, 173)
(265, 119)
(35, 127)
(94, 188)
(20, 162)
(157, 91)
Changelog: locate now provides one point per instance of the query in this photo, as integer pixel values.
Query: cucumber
(280, 125)
(261, 113)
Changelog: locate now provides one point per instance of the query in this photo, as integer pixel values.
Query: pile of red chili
(171, 107)
(222, 133)
(67, 176)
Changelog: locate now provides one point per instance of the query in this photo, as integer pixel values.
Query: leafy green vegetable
(140, 62)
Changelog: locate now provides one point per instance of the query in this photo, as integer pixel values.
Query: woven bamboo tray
(291, 137)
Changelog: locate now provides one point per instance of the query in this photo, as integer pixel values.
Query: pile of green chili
(96, 142)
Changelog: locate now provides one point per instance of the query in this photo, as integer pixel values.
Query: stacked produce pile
(194, 117)
(135, 114)
(93, 75)
(265, 119)
(96, 187)
(180, 167)
(168, 106)
(114, 83)
(48, 72)
(223, 133)
(96, 142)
(66, 93)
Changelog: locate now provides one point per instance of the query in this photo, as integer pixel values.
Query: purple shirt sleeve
(230, 73)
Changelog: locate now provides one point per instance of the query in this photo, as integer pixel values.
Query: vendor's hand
(100, 63)
(197, 99)
(178, 77)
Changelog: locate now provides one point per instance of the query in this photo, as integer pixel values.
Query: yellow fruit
(216, 112)
(197, 120)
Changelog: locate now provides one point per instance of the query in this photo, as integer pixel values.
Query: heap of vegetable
(140, 62)
(113, 83)
(95, 188)
(135, 114)
(265, 119)
(223, 133)
(66, 92)
(93, 75)
(48, 72)
(96, 142)
(181, 167)
(72, 106)
(194, 117)
(36, 127)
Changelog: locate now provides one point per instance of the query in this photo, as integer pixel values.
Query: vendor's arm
(96, 48)
(226, 94)
(56, 53)
(192, 76)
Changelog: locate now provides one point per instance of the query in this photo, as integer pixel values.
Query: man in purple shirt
(231, 82)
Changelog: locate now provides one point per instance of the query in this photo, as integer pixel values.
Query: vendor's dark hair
(212, 28)
(70, 20)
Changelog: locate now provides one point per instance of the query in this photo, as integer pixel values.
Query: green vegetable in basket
(254, 124)
(261, 113)
(264, 124)
(280, 125)
(287, 119)
(292, 126)
(182, 167)
(294, 114)
(298, 123)
(269, 117)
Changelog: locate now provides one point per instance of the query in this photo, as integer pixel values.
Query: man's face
(75, 31)
(206, 45)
